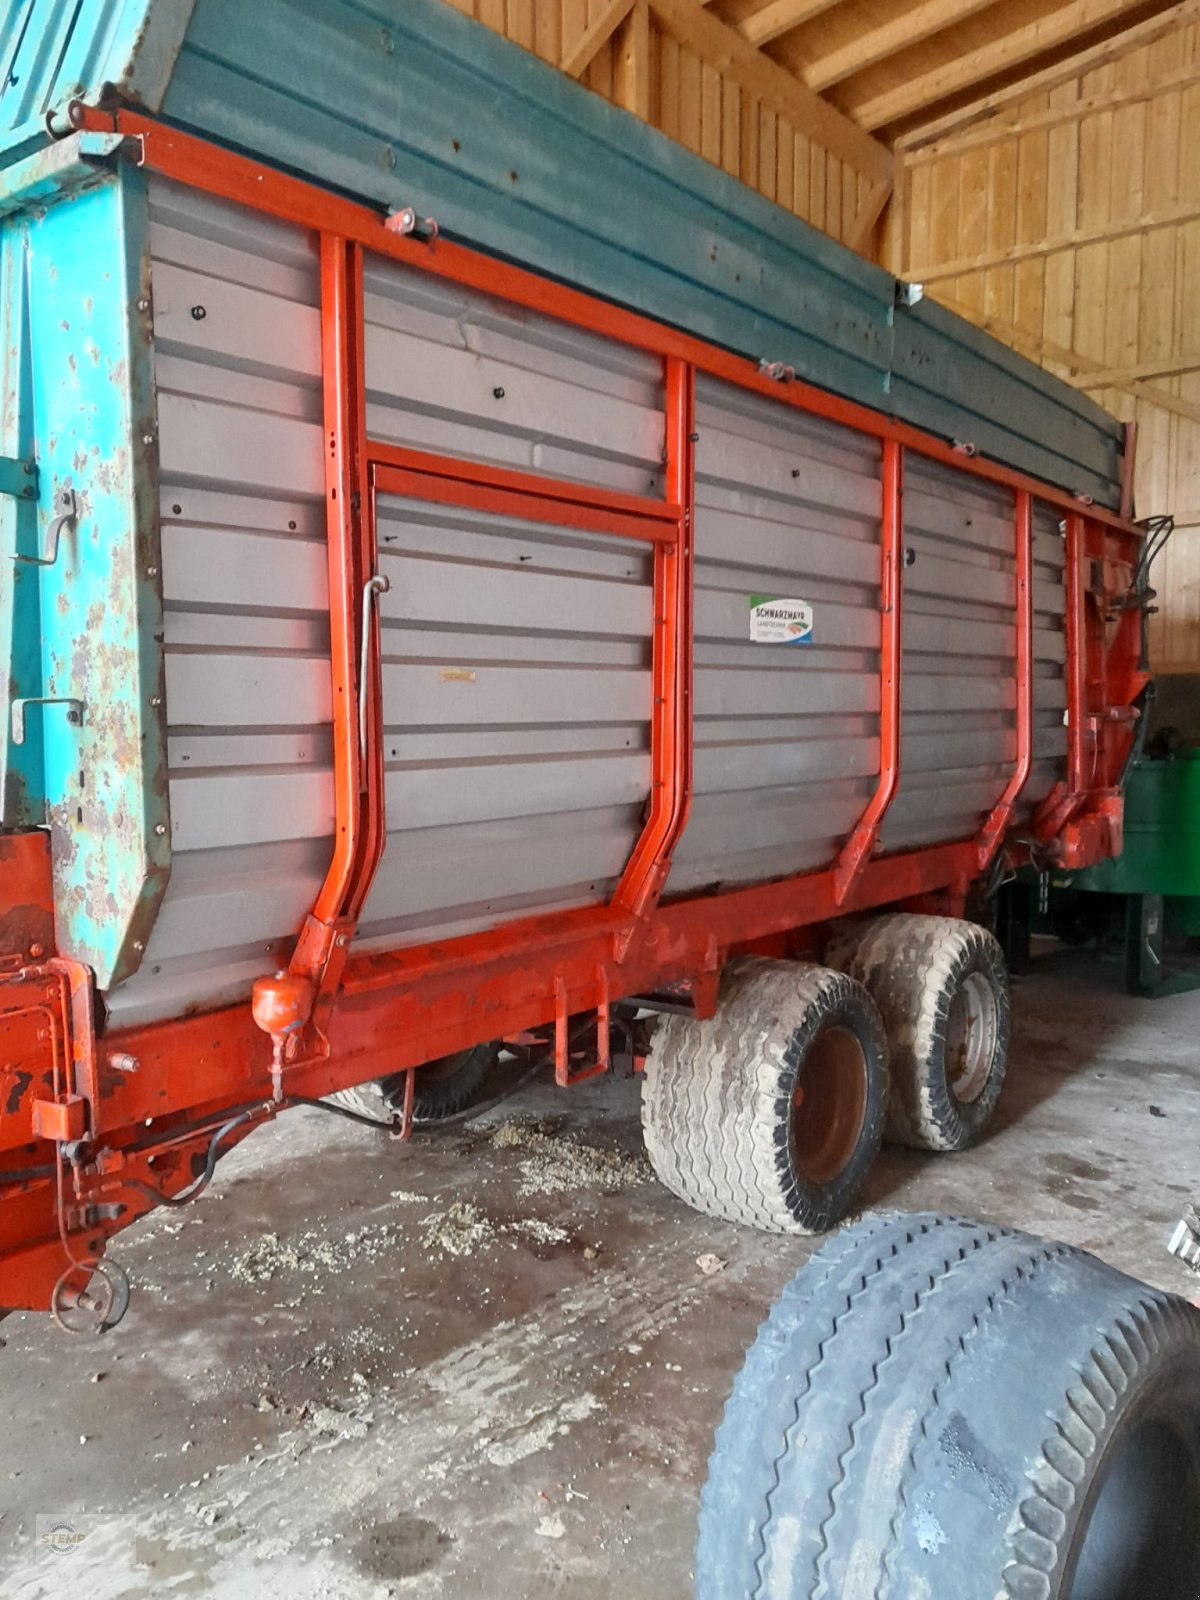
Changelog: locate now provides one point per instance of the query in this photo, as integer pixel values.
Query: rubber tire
(912, 966)
(934, 1407)
(434, 1097)
(717, 1096)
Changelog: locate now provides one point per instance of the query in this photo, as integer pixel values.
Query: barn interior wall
(1068, 224)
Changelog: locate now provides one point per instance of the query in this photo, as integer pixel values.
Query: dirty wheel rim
(971, 1030)
(829, 1105)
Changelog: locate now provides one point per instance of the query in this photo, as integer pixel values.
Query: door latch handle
(66, 509)
(372, 589)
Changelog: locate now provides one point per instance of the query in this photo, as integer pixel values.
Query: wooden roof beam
(870, 48)
(973, 66)
(723, 47)
(1076, 66)
(780, 17)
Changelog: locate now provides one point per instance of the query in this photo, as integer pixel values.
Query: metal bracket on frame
(18, 478)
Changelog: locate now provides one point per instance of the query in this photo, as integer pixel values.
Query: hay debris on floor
(558, 1163)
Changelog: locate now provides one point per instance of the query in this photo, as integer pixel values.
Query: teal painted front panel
(22, 798)
(52, 51)
(90, 626)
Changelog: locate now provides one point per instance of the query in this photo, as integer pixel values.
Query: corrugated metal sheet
(458, 372)
(958, 728)
(237, 367)
(516, 704)
(787, 736)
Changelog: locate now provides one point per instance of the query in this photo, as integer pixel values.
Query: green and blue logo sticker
(775, 620)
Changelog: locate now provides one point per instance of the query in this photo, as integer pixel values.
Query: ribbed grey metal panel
(1049, 657)
(237, 366)
(516, 705)
(786, 735)
(958, 728)
(460, 373)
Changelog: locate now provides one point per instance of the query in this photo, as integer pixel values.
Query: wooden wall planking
(1038, 172)
(691, 100)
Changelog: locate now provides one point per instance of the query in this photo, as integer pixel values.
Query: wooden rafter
(1164, 367)
(936, 271)
(1049, 32)
(780, 17)
(998, 131)
(870, 48)
(583, 52)
(1048, 78)
(725, 48)
(863, 227)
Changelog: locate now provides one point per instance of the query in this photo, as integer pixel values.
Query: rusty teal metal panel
(88, 399)
(52, 51)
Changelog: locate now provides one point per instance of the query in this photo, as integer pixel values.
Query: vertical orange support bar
(1077, 654)
(862, 841)
(997, 823)
(646, 872)
(357, 762)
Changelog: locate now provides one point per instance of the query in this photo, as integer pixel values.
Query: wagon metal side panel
(246, 632)
(516, 702)
(786, 735)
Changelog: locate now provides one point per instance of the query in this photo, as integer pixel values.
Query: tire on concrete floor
(771, 1112)
(938, 1407)
(941, 986)
(441, 1089)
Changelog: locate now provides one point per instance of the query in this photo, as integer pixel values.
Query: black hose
(186, 1196)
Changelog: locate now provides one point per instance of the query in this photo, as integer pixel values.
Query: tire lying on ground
(771, 1112)
(440, 1089)
(941, 986)
(936, 1408)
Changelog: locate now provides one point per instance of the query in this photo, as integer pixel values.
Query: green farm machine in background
(1148, 898)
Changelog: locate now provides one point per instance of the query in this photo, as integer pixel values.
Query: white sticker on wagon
(778, 621)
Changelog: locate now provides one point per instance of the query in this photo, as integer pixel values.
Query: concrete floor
(315, 1398)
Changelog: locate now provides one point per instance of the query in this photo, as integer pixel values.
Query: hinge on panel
(404, 220)
(18, 478)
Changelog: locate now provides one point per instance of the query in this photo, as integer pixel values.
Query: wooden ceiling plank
(725, 48)
(579, 58)
(1056, 28)
(780, 17)
(1048, 78)
(870, 48)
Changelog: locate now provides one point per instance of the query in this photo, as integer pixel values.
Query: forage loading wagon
(474, 575)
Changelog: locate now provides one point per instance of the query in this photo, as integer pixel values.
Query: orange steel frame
(139, 1106)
